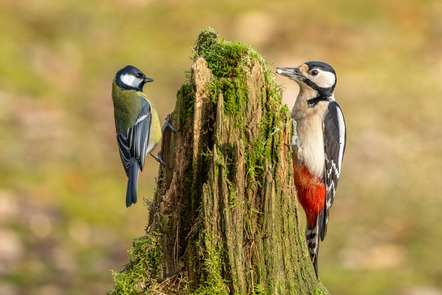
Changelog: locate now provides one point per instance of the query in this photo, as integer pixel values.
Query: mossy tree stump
(224, 218)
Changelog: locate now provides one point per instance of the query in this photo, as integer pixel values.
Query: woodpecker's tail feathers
(323, 221)
(132, 182)
(312, 237)
(315, 264)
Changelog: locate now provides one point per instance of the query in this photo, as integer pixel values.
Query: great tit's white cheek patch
(131, 80)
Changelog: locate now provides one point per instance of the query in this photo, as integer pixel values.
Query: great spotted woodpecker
(318, 143)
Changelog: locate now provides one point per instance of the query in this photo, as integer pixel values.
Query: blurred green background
(63, 220)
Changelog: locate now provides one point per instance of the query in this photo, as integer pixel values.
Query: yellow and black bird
(137, 123)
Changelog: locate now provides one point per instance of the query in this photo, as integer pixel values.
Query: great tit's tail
(132, 182)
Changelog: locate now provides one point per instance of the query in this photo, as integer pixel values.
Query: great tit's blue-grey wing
(133, 143)
(334, 148)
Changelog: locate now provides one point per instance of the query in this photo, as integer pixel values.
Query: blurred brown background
(63, 221)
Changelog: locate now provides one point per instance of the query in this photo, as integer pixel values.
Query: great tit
(137, 123)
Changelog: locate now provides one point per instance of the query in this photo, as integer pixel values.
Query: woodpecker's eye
(314, 72)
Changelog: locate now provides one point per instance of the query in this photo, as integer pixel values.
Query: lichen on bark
(224, 218)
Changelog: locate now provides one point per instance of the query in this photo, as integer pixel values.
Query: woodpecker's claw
(167, 124)
(295, 140)
(158, 158)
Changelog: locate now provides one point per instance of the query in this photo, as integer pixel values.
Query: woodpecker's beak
(292, 73)
(147, 80)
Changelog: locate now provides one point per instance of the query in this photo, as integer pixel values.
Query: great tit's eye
(314, 72)
(139, 75)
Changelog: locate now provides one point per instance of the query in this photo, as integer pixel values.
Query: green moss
(229, 63)
(207, 155)
(222, 56)
(213, 266)
(232, 197)
(186, 99)
(259, 290)
(144, 266)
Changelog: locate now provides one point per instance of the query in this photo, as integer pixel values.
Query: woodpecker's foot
(294, 143)
(158, 158)
(295, 140)
(167, 124)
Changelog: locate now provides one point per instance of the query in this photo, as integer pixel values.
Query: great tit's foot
(167, 124)
(158, 158)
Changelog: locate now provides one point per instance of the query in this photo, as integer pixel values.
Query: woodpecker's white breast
(310, 134)
(311, 141)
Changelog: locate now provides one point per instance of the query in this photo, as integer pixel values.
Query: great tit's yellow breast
(127, 106)
(155, 128)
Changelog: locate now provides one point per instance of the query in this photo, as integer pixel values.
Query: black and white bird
(318, 142)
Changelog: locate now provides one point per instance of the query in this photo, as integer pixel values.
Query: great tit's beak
(147, 80)
(292, 73)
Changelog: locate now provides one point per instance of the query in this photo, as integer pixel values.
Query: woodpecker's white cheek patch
(131, 80)
(325, 79)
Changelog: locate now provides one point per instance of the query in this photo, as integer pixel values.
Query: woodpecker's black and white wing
(133, 143)
(334, 147)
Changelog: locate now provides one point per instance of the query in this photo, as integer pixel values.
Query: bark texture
(224, 218)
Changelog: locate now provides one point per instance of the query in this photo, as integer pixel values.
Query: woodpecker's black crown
(320, 65)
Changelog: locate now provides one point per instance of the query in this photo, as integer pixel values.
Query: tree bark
(224, 219)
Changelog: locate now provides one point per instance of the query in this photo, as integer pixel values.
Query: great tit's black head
(315, 74)
(131, 78)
